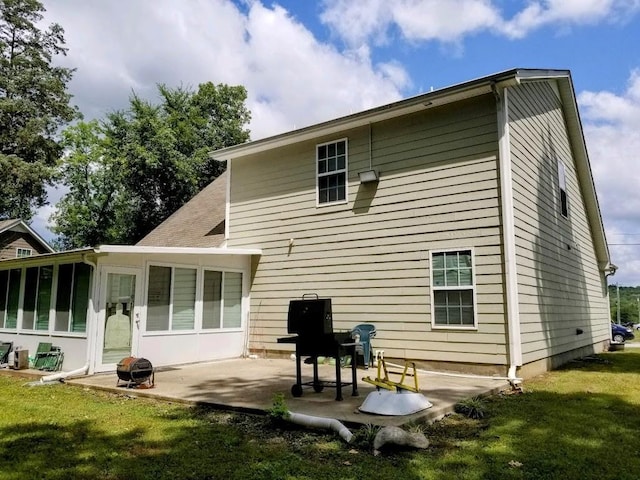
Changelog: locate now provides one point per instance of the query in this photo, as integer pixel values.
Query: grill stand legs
(318, 385)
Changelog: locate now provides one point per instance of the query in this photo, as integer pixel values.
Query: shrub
(474, 407)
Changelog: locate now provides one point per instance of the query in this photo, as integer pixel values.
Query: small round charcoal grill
(135, 371)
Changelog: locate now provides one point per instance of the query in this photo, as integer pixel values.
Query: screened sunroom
(172, 305)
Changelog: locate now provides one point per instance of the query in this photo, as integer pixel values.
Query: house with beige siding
(463, 223)
(18, 240)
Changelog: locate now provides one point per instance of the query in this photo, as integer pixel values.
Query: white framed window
(453, 292)
(37, 297)
(23, 252)
(562, 189)
(171, 298)
(221, 300)
(331, 169)
(9, 298)
(72, 297)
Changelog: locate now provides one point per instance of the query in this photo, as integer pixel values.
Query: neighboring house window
(72, 298)
(222, 300)
(453, 288)
(9, 298)
(562, 187)
(23, 252)
(332, 172)
(37, 298)
(171, 298)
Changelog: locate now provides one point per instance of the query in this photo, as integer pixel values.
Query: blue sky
(304, 62)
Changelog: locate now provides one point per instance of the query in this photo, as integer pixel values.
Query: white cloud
(292, 79)
(451, 21)
(611, 125)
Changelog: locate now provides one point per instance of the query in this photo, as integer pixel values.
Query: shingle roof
(198, 223)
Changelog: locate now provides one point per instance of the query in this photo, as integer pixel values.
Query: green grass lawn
(581, 422)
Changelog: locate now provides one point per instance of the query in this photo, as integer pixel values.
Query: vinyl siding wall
(11, 241)
(560, 287)
(438, 189)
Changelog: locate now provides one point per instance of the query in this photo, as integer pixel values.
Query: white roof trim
(135, 249)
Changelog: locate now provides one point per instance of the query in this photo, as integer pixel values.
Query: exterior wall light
(368, 176)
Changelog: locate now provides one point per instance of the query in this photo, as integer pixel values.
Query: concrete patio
(250, 385)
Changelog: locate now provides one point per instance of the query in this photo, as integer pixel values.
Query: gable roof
(449, 95)
(18, 225)
(198, 223)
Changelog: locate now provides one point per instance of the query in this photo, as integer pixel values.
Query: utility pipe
(92, 323)
(511, 378)
(321, 422)
(64, 375)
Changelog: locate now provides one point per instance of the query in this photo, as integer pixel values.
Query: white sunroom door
(119, 322)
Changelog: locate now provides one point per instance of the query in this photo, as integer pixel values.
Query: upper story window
(23, 252)
(453, 289)
(331, 160)
(562, 187)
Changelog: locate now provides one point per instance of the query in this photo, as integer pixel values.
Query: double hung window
(453, 289)
(331, 160)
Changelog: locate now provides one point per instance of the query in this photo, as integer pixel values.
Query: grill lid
(310, 317)
(133, 369)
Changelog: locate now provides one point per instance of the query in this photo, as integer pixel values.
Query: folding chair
(5, 349)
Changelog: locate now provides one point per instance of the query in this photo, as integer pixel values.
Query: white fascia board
(541, 75)
(133, 249)
(44, 258)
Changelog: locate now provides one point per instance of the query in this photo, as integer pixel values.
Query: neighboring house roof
(198, 223)
(481, 86)
(18, 225)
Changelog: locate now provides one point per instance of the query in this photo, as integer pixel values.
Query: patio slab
(250, 385)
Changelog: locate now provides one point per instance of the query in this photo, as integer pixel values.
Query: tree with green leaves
(131, 171)
(34, 104)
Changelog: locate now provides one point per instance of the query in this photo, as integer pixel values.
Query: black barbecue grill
(135, 372)
(311, 321)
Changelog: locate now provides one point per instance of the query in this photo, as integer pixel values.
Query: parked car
(620, 333)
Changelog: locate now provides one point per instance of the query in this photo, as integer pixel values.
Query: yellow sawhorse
(382, 379)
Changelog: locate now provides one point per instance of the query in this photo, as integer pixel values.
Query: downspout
(508, 234)
(92, 324)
